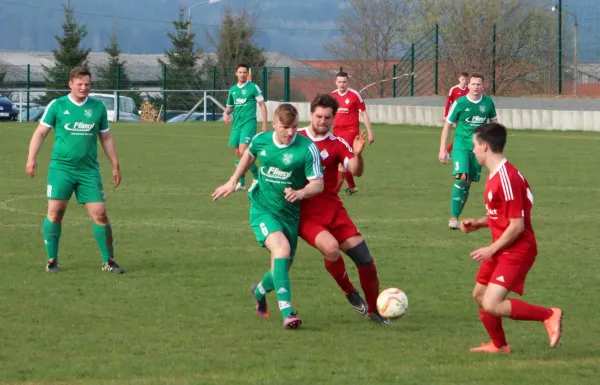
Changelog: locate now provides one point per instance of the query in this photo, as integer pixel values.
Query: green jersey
(243, 99)
(76, 130)
(283, 166)
(469, 115)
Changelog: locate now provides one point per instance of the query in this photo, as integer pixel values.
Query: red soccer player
(324, 222)
(347, 123)
(459, 90)
(506, 262)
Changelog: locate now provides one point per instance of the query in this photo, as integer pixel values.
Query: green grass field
(182, 313)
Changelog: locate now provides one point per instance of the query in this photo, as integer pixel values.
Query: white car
(128, 110)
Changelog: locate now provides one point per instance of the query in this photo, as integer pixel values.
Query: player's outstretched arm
(108, 145)
(265, 116)
(312, 188)
(37, 139)
(241, 169)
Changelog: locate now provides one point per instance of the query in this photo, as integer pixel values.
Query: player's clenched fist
(31, 167)
(292, 195)
(468, 225)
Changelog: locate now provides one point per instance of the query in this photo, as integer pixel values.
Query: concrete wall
(541, 119)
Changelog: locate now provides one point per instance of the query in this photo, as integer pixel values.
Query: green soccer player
(242, 100)
(290, 171)
(468, 112)
(78, 123)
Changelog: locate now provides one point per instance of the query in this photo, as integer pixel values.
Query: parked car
(8, 110)
(196, 117)
(128, 110)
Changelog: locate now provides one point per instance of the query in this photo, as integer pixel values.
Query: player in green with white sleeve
(242, 100)
(290, 171)
(78, 123)
(468, 112)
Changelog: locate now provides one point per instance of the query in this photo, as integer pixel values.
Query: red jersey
(507, 195)
(350, 103)
(333, 151)
(455, 93)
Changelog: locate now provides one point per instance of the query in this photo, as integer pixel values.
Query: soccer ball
(392, 303)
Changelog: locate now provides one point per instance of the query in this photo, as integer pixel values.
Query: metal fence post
(412, 69)
(494, 39)
(28, 88)
(437, 60)
(214, 87)
(286, 84)
(117, 96)
(560, 47)
(164, 87)
(265, 75)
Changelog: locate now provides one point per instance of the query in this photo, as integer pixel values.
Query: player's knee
(99, 217)
(461, 176)
(490, 306)
(56, 214)
(237, 153)
(331, 251)
(478, 298)
(360, 254)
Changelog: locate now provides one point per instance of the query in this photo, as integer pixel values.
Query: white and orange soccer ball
(392, 303)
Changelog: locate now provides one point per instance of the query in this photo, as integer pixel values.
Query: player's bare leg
(52, 230)
(334, 263)
(356, 248)
(103, 235)
(279, 247)
(492, 324)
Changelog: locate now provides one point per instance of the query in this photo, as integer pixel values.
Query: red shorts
(508, 270)
(348, 133)
(333, 219)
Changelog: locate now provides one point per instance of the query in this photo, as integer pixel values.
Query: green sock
(281, 280)
(242, 180)
(465, 195)
(104, 239)
(264, 286)
(254, 171)
(458, 198)
(51, 233)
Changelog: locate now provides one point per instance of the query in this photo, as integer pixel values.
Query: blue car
(8, 111)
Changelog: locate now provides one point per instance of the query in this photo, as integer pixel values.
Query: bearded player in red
(324, 222)
(347, 124)
(506, 262)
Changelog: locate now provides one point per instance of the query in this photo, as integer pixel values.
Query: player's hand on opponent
(116, 172)
(442, 156)
(224, 190)
(359, 143)
(292, 195)
(31, 167)
(468, 225)
(482, 253)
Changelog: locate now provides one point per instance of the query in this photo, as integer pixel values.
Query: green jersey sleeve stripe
(42, 119)
(450, 111)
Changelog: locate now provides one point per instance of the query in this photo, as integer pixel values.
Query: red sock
(523, 311)
(370, 284)
(337, 270)
(340, 180)
(449, 148)
(350, 180)
(493, 325)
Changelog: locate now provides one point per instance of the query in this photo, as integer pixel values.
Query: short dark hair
(240, 66)
(325, 101)
(464, 74)
(79, 72)
(494, 134)
(341, 74)
(477, 75)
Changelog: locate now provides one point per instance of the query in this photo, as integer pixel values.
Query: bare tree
(373, 36)
(522, 55)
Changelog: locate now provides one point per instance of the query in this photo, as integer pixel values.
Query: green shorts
(87, 186)
(264, 223)
(242, 135)
(464, 162)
